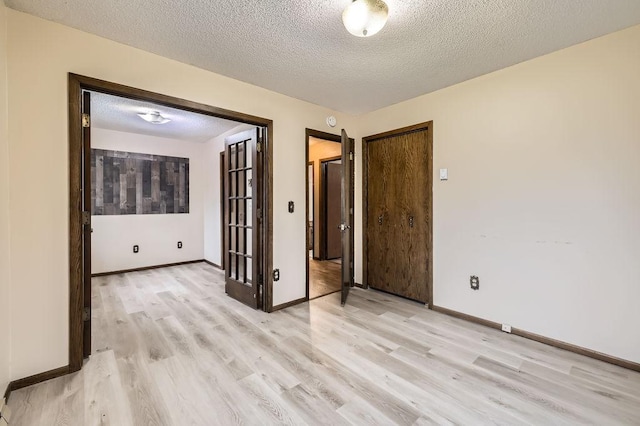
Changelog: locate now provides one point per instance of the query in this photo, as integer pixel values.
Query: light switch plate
(444, 174)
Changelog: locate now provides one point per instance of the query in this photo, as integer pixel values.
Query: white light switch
(444, 174)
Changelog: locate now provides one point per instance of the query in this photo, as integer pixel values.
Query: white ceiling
(116, 113)
(300, 47)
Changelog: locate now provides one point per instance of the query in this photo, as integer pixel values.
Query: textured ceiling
(116, 113)
(300, 47)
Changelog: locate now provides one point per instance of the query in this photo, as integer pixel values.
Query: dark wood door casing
(327, 137)
(77, 84)
(398, 212)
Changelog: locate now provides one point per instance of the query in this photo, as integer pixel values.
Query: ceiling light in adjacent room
(154, 117)
(364, 18)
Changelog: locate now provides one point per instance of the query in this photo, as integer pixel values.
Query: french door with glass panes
(243, 216)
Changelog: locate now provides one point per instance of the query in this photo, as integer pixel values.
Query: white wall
(157, 235)
(5, 286)
(212, 219)
(543, 197)
(40, 55)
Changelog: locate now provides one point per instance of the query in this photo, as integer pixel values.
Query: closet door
(381, 217)
(411, 165)
(398, 218)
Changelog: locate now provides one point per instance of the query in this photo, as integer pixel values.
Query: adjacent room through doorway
(144, 176)
(324, 218)
(153, 205)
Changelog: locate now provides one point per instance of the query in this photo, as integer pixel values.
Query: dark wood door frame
(309, 133)
(76, 85)
(428, 126)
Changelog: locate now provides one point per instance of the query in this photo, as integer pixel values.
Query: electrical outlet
(506, 328)
(136, 248)
(474, 282)
(179, 244)
(276, 274)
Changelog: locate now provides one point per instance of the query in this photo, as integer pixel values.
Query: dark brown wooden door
(243, 217)
(381, 241)
(86, 221)
(347, 215)
(398, 222)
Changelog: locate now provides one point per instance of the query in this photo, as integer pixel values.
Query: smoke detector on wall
(331, 121)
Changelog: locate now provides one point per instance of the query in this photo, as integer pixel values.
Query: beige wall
(543, 196)
(5, 287)
(318, 151)
(41, 53)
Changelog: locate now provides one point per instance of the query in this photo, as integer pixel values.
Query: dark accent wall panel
(133, 183)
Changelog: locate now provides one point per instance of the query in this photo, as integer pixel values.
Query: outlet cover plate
(474, 282)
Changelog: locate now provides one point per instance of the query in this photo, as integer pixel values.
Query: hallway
(324, 277)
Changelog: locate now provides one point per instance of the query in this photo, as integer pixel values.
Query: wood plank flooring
(324, 277)
(170, 348)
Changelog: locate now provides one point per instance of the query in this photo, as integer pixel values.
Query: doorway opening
(252, 170)
(325, 196)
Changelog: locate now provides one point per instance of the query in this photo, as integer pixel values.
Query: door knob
(343, 227)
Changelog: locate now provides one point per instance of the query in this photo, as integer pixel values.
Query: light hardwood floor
(170, 348)
(324, 277)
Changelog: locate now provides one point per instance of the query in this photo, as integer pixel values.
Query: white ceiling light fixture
(364, 18)
(153, 117)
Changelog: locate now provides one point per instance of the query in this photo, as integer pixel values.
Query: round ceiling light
(364, 18)
(154, 117)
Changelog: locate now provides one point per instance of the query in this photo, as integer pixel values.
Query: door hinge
(86, 218)
(86, 314)
(351, 156)
(259, 213)
(86, 120)
(259, 147)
